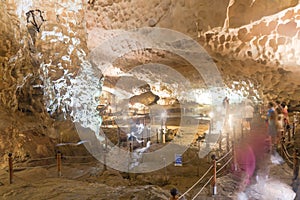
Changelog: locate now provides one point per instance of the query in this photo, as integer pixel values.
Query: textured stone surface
(243, 12)
(263, 52)
(255, 45)
(59, 35)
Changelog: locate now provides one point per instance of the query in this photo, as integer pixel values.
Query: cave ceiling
(254, 44)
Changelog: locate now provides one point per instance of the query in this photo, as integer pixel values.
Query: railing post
(10, 164)
(235, 165)
(227, 141)
(162, 136)
(105, 154)
(294, 129)
(220, 143)
(199, 160)
(214, 180)
(58, 160)
(295, 164)
(289, 135)
(119, 137)
(143, 137)
(282, 146)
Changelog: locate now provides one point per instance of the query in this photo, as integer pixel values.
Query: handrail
(287, 156)
(219, 160)
(37, 159)
(211, 178)
(63, 156)
(200, 179)
(286, 151)
(202, 188)
(225, 164)
(80, 163)
(40, 166)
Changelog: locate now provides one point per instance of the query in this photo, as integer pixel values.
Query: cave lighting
(211, 115)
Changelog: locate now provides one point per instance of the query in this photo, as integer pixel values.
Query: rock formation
(45, 48)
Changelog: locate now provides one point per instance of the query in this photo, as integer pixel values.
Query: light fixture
(211, 115)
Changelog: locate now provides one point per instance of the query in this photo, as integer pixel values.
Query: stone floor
(265, 166)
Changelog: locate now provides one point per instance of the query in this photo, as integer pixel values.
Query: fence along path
(257, 136)
(258, 141)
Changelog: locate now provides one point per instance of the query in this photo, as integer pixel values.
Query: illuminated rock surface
(48, 79)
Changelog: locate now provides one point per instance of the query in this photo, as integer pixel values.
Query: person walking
(272, 125)
(248, 114)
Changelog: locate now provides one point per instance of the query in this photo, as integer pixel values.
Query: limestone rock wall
(251, 40)
(243, 12)
(61, 48)
(186, 16)
(45, 42)
(266, 52)
(41, 43)
(273, 39)
(50, 47)
(14, 66)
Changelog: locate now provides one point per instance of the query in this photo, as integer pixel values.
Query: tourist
(226, 107)
(272, 125)
(285, 111)
(280, 127)
(226, 104)
(248, 114)
(175, 195)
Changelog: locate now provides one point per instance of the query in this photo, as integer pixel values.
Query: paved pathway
(257, 140)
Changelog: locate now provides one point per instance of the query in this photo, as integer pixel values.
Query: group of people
(277, 120)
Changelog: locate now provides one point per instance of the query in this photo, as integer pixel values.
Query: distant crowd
(277, 120)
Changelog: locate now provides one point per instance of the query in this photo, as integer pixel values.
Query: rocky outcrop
(41, 41)
(184, 16)
(243, 12)
(265, 53)
(147, 98)
(44, 44)
(17, 71)
(254, 43)
(271, 40)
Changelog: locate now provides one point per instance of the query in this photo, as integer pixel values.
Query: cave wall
(243, 12)
(41, 52)
(41, 42)
(30, 57)
(255, 41)
(264, 52)
(14, 66)
(186, 16)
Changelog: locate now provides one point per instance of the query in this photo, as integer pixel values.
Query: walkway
(265, 169)
(251, 148)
